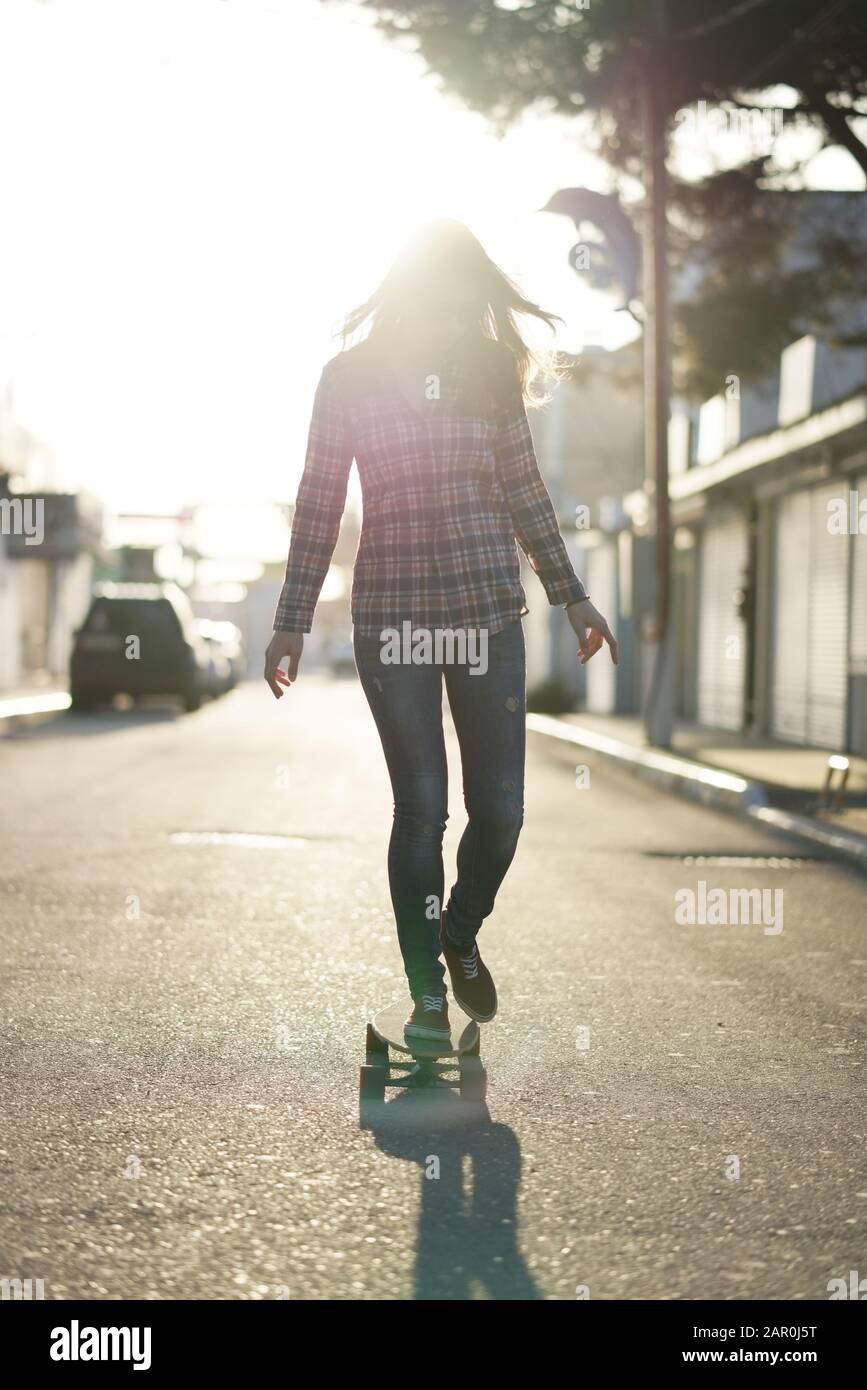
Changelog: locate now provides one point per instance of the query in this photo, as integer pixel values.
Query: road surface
(197, 926)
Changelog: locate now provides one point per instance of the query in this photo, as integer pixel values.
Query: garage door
(791, 605)
(858, 636)
(601, 584)
(722, 636)
(811, 612)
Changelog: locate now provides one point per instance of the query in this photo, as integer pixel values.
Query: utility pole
(659, 702)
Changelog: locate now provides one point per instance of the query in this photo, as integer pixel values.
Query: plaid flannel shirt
(445, 496)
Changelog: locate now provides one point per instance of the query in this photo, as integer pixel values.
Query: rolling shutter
(829, 625)
(601, 584)
(858, 640)
(858, 635)
(721, 653)
(791, 589)
(811, 612)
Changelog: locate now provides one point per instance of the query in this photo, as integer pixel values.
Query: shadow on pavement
(72, 724)
(470, 1171)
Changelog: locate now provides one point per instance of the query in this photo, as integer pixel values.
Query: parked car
(231, 641)
(341, 658)
(219, 678)
(138, 639)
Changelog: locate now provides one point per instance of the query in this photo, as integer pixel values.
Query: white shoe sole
(417, 1030)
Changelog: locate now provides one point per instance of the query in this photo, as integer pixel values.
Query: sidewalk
(39, 697)
(779, 784)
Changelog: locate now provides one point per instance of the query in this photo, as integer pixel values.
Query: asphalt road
(674, 1111)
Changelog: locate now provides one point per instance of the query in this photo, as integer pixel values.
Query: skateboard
(422, 1063)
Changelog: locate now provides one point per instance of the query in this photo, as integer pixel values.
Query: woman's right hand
(281, 646)
(582, 616)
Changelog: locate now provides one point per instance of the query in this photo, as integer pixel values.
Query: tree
(590, 59)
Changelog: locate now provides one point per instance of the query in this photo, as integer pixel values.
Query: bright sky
(196, 190)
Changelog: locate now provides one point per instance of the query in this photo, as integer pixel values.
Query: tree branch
(837, 126)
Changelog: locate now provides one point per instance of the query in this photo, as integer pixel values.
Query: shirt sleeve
(318, 509)
(530, 505)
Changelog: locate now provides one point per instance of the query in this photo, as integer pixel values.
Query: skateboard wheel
(375, 1050)
(371, 1082)
(474, 1079)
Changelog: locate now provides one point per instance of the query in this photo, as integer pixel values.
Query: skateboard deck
(389, 1023)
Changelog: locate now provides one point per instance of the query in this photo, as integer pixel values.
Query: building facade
(48, 541)
(771, 536)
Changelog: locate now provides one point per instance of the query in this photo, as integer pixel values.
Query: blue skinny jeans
(489, 717)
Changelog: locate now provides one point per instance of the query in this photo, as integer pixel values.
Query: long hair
(443, 263)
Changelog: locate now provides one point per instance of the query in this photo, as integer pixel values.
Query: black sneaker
(472, 982)
(429, 1019)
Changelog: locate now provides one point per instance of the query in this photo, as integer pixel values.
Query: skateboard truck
(420, 1064)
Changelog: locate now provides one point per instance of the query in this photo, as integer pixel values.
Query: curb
(25, 706)
(709, 785)
(843, 843)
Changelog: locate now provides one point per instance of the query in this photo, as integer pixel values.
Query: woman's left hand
(582, 616)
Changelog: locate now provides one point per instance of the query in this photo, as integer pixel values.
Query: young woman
(431, 405)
